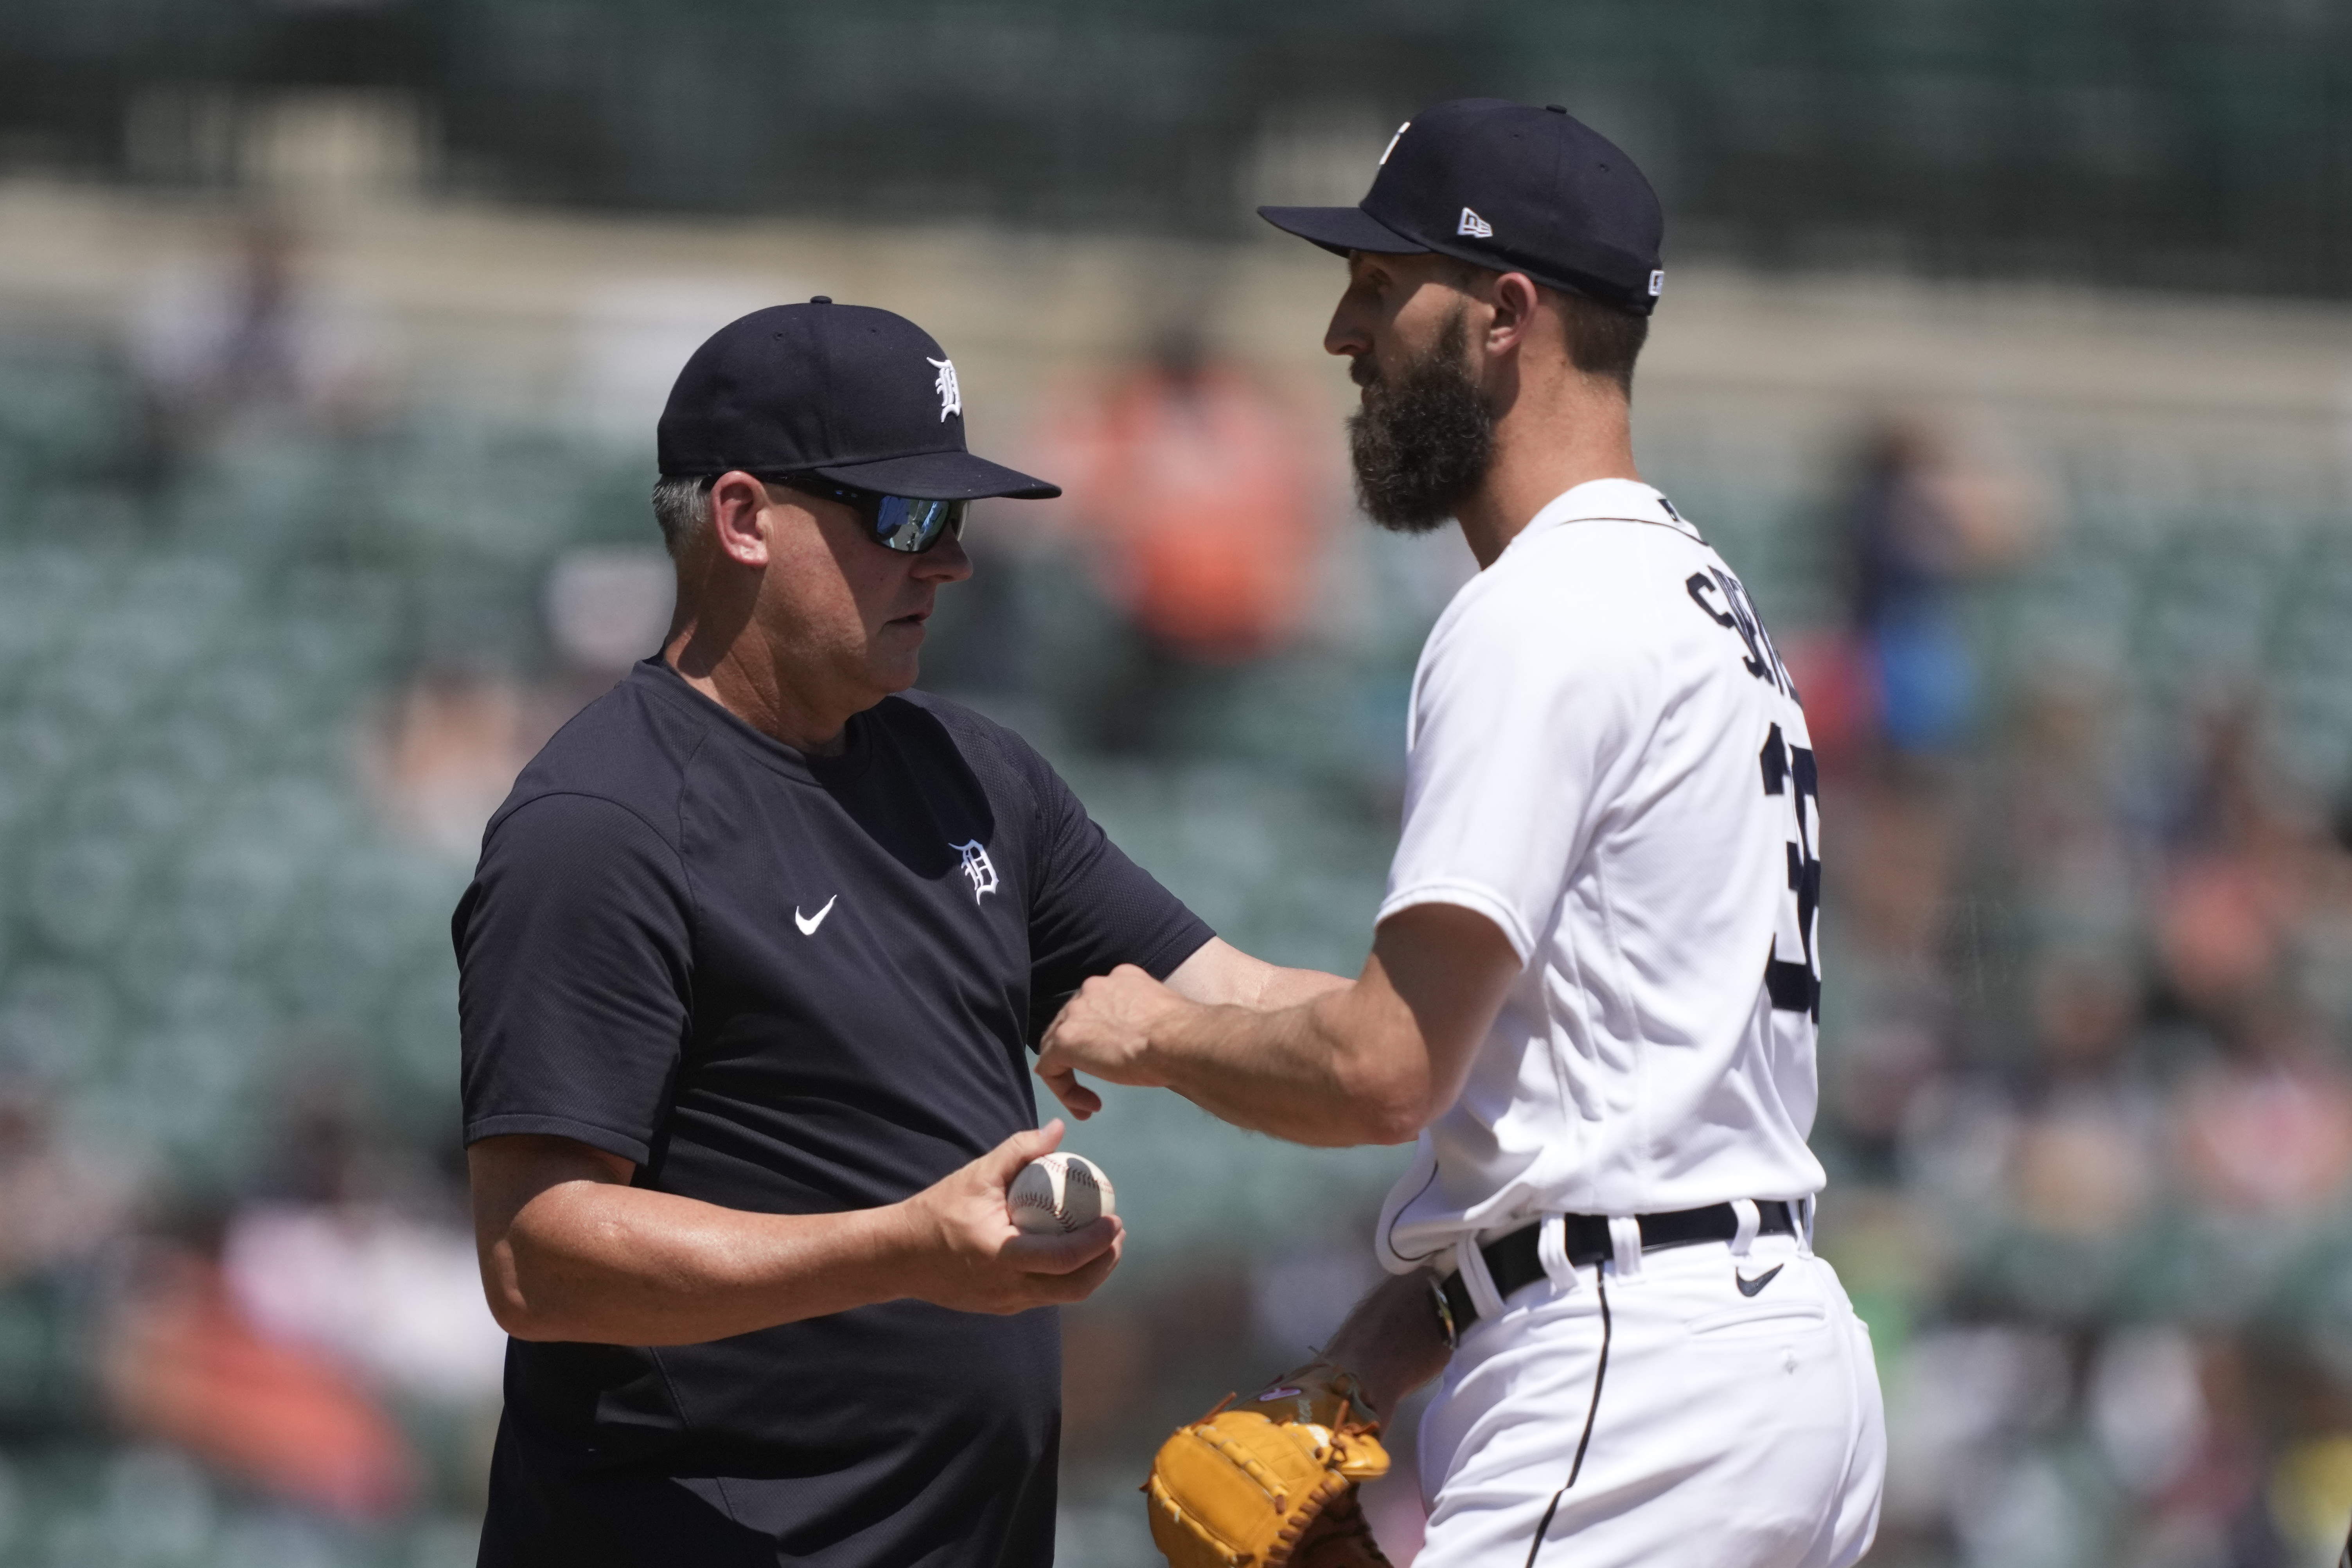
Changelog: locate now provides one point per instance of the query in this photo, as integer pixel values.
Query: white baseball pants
(1730, 1430)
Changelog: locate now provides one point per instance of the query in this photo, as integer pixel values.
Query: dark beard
(1424, 439)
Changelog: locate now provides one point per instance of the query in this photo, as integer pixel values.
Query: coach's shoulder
(626, 748)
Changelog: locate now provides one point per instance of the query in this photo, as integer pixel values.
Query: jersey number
(1795, 983)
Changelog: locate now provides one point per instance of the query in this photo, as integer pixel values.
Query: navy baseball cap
(1508, 186)
(858, 395)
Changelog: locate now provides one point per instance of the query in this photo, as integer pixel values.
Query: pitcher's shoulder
(1592, 581)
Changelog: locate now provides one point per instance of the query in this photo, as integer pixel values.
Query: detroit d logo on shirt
(977, 867)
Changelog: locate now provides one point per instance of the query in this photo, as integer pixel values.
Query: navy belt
(1514, 1262)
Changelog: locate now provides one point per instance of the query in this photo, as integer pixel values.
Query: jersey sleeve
(1521, 710)
(1095, 909)
(573, 976)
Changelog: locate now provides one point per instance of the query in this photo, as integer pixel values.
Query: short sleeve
(1520, 710)
(573, 976)
(1095, 909)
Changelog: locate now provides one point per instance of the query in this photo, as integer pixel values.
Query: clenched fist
(1106, 1030)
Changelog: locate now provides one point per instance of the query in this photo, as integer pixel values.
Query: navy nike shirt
(790, 985)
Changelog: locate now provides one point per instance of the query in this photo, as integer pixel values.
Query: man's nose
(1345, 335)
(946, 562)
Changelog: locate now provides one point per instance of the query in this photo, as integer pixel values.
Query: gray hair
(682, 507)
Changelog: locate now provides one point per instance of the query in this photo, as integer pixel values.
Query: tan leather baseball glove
(1272, 1484)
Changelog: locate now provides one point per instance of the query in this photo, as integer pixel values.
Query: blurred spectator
(1899, 696)
(2087, 1160)
(396, 1298)
(1922, 520)
(2242, 861)
(607, 608)
(271, 1343)
(254, 338)
(182, 1365)
(447, 753)
(358, 1250)
(2218, 934)
(2268, 1129)
(1891, 872)
(2147, 1407)
(2226, 802)
(1193, 490)
(1873, 1080)
(60, 1205)
(2066, 833)
(2212, 1509)
(1202, 506)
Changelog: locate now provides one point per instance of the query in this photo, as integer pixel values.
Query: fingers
(1076, 1098)
(1106, 1029)
(1087, 1002)
(1060, 1077)
(1004, 1163)
(1070, 1005)
(1082, 1282)
(1067, 1253)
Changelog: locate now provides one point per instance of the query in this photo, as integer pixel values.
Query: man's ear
(1514, 300)
(739, 505)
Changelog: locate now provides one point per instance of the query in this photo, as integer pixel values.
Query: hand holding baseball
(1058, 1193)
(964, 1250)
(1104, 1030)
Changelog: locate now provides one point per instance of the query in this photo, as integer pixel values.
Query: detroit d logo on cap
(951, 396)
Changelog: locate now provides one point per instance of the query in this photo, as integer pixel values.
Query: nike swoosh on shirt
(808, 923)
(1749, 1287)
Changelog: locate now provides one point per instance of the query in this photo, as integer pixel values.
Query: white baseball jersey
(1607, 759)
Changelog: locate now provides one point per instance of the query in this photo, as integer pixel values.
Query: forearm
(1252, 1043)
(1392, 1341)
(1310, 1074)
(1220, 974)
(1346, 1062)
(617, 1264)
(1284, 988)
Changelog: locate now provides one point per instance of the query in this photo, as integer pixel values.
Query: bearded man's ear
(1514, 300)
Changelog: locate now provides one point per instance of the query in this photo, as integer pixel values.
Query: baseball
(1059, 1191)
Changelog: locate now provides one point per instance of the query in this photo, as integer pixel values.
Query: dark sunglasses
(907, 524)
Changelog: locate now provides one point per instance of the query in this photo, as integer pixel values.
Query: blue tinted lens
(913, 526)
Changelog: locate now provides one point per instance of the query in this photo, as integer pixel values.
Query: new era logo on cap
(1472, 223)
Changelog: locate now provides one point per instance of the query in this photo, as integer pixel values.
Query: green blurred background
(2004, 352)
